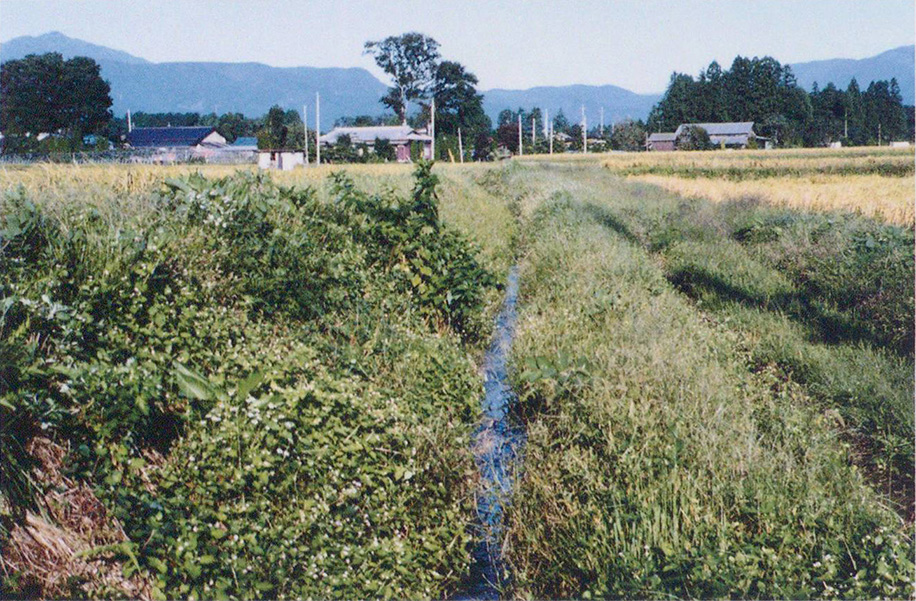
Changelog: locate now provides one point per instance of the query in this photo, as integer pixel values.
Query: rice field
(887, 199)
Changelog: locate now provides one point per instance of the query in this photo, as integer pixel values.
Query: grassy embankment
(698, 381)
(222, 387)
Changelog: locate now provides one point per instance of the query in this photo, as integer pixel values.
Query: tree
(384, 151)
(457, 102)
(560, 123)
(628, 135)
(483, 147)
(275, 132)
(694, 138)
(411, 60)
(46, 94)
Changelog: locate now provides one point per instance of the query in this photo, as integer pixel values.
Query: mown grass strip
(657, 464)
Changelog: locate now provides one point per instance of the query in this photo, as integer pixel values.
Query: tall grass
(658, 464)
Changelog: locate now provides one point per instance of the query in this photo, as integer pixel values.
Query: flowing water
(497, 446)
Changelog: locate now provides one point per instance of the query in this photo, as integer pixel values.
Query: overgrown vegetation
(702, 445)
(271, 393)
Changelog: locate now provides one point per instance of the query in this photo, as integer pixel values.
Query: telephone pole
(130, 127)
(601, 127)
(584, 132)
(533, 131)
(460, 147)
(317, 129)
(520, 151)
(432, 121)
(548, 129)
(305, 126)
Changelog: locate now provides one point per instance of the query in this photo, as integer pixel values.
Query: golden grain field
(888, 199)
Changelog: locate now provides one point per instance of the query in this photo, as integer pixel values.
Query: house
(170, 144)
(729, 135)
(401, 137)
(661, 141)
(175, 137)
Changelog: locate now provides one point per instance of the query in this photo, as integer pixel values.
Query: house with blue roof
(175, 137)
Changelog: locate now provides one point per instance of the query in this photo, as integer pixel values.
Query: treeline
(766, 92)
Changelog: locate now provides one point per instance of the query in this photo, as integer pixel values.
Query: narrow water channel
(497, 446)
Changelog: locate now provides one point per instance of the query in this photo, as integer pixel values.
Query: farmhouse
(402, 137)
(199, 138)
(661, 141)
(170, 144)
(730, 135)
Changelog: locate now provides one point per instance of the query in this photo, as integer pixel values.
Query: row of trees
(766, 92)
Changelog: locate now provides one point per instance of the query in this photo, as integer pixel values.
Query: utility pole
(533, 131)
(548, 129)
(601, 127)
(460, 147)
(520, 151)
(432, 121)
(879, 134)
(846, 124)
(317, 129)
(584, 132)
(305, 125)
(129, 126)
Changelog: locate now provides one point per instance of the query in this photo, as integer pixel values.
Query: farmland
(269, 385)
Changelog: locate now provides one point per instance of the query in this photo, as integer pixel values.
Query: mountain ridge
(253, 87)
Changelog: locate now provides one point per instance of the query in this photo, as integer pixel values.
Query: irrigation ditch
(497, 447)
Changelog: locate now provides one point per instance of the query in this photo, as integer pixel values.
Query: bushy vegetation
(670, 451)
(270, 392)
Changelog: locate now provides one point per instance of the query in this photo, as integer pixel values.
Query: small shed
(661, 141)
(402, 137)
(284, 159)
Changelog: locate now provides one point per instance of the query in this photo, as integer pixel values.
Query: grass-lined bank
(661, 458)
(271, 390)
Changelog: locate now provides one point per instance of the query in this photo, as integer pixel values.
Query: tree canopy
(47, 94)
(411, 59)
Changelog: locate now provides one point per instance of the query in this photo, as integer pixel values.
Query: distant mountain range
(898, 63)
(252, 88)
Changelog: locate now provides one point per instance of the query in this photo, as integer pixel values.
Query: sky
(635, 44)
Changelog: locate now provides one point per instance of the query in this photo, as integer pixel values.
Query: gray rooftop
(367, 135)
(663, 137)
(739, 128)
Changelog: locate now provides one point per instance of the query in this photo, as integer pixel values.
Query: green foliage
(263, 388)
(411, 59)
(46, 94)
(694, 138)
(435, 265)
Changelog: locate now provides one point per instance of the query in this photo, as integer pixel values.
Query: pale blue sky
(507, 43)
